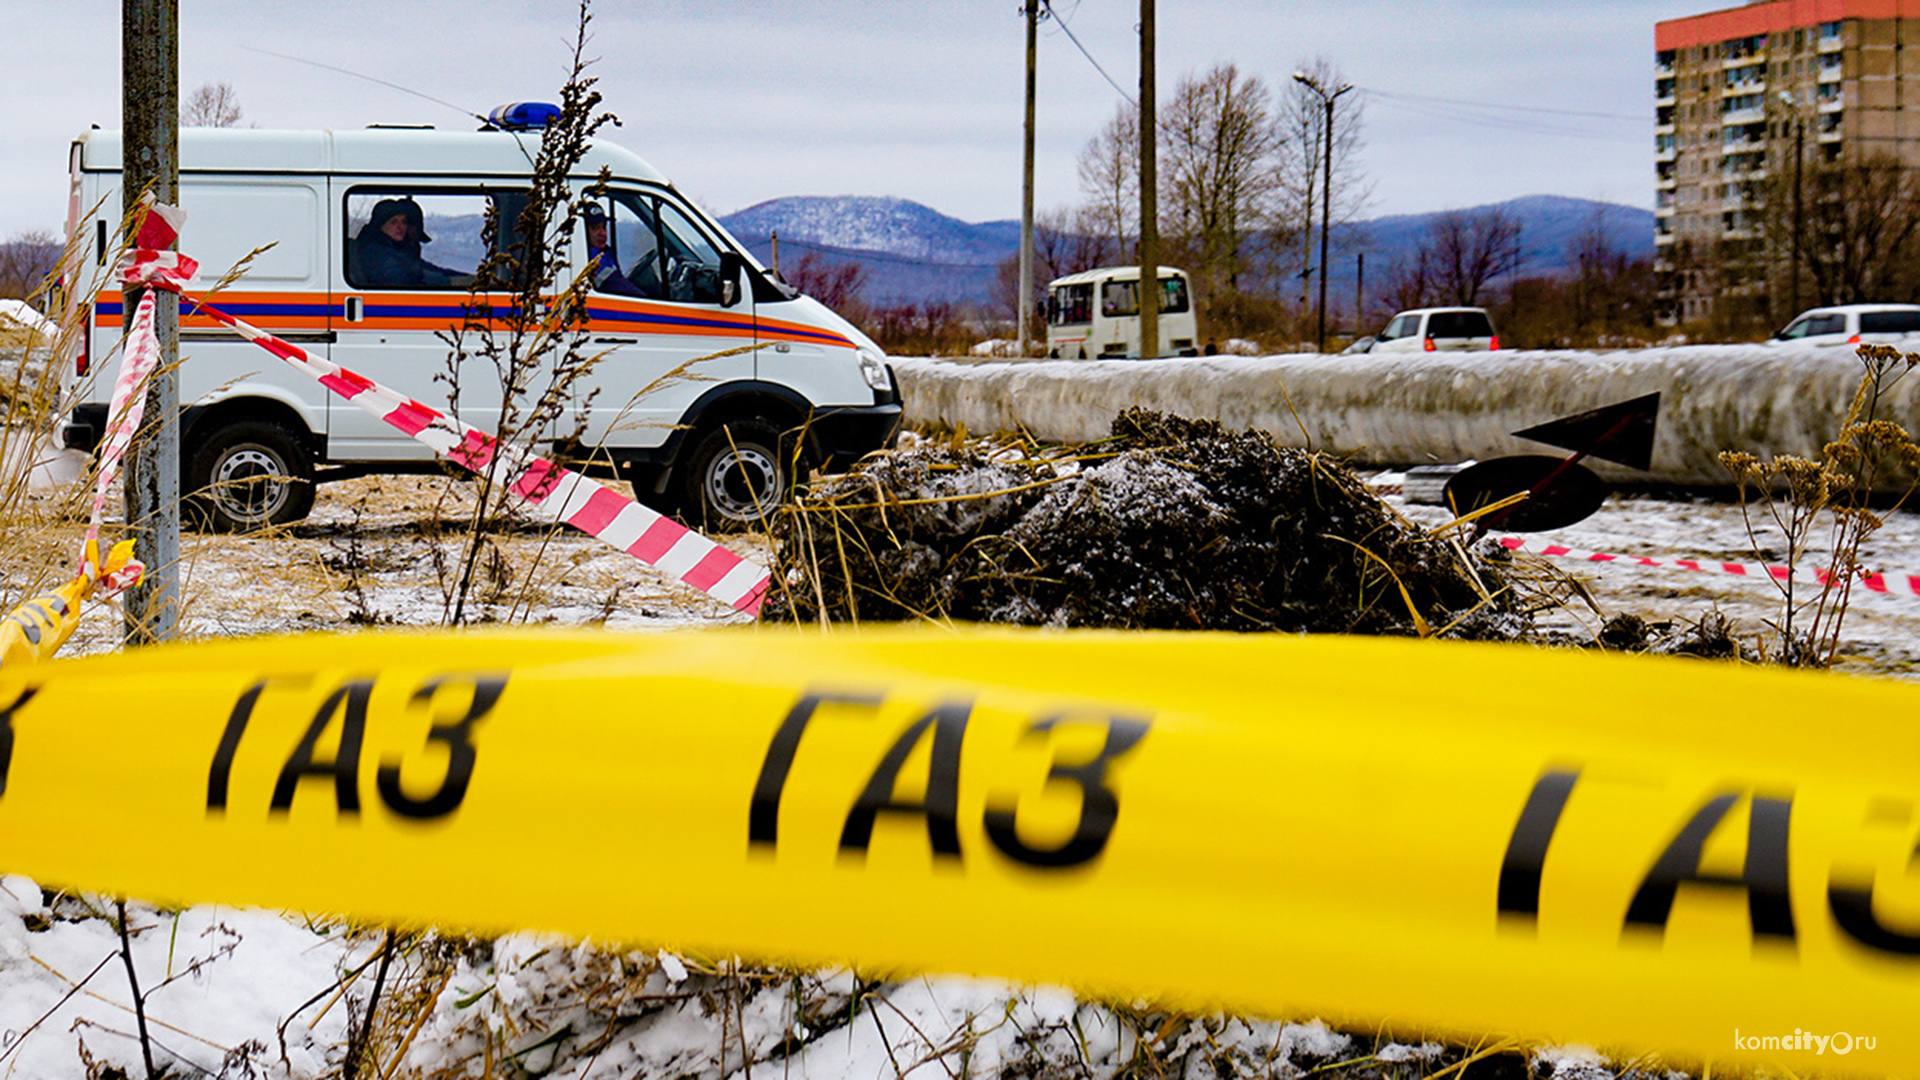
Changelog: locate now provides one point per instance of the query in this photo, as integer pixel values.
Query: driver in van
(605, 265)
(387, 249)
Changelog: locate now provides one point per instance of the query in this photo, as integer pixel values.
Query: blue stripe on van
(416, 311)
(650, 317)
(264, 311)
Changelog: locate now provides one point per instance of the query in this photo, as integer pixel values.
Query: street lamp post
(1327, 99)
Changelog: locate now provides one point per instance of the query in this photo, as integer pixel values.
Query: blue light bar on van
(524, 116)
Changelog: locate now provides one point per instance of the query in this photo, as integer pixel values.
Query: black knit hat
(385, 209)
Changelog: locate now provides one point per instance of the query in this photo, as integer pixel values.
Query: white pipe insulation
(1419, 408)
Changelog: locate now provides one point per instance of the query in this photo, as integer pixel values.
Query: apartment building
(1748, 93)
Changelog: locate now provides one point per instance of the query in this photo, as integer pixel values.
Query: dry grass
(377, 550)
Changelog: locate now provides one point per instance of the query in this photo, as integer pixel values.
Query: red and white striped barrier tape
(1897, 583)
(553, 491)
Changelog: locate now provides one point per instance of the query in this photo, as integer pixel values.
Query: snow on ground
(1881, 631)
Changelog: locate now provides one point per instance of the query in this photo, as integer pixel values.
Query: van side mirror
(732, 266)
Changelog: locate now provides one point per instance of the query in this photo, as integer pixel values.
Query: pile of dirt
(1168, 524)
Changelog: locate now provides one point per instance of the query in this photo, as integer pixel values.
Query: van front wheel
(248, 476)
(734, 476)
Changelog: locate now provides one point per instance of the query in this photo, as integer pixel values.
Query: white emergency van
(1096, 314)
(773, 373)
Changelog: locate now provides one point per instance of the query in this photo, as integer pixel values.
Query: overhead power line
(1524, 119)
(1068, 30)
(1638, 119)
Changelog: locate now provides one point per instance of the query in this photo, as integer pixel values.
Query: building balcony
(1828, 74)
(1662, 69)
(1663, 129)
(1742, 117)
(1751, 86)
(1666, 183)
(1829, 45)
(1739, 232)
(1735, 146)
(1665, 155)
(1831, 105)
(1663, 102)
(1833, 136)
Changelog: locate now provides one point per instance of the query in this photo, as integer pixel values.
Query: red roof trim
(1755, 19)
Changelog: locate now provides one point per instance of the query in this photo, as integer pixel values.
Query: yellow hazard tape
(1644, 855)
(35, 629)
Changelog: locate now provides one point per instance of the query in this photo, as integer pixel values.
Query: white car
(1852, 324)
(1454, 329)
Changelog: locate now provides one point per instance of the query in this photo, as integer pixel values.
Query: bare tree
(1217, 159)
(834, 282)
(1464, 252)
(25, 261)
(1064, 242)
(1299, 155)
(1110, 179)
(1597, 264)
(214, 105)
(1860, 227)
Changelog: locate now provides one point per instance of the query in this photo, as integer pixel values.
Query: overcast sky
(748, 100)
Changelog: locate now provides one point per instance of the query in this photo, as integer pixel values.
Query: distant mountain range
(914, 253)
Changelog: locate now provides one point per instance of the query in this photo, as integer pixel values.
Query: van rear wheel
(248, 476)
(735, 475)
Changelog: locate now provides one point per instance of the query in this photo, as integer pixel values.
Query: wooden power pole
(150, 161)
(1149, 290)
(1023, 311)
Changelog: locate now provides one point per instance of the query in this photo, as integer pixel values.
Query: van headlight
(873, 367)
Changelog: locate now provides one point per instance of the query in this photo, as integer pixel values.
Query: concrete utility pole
(1326, 190)
(150, 161)
(1024, 310)
(1149, 289)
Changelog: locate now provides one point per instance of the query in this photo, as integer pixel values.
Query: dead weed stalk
(1806, 501)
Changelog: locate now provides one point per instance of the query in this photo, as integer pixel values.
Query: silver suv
(1453, 329)
(1852, 324)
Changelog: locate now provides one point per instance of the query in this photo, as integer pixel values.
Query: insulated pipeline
(1399, 410)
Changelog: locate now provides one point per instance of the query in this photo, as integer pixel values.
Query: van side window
(1120, 298)
(689, 261)
(418, 239)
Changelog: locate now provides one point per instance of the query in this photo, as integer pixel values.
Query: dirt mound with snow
(1167, 524)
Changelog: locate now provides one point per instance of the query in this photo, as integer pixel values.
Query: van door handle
(355, 309)
(612, 341)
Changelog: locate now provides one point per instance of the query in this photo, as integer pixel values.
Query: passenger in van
(387, 250)
(604, 264)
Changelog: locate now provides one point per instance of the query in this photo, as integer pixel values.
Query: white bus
(1096, 315)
